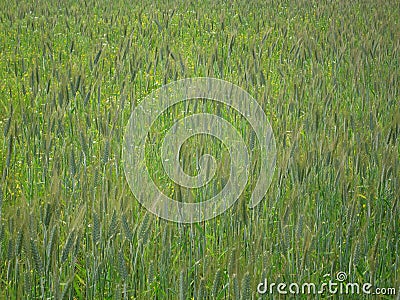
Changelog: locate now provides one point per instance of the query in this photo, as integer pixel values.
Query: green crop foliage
(325, 72)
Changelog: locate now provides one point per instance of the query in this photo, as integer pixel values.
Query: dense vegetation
(326, 74)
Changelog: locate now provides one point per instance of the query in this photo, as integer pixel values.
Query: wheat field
(326, 73)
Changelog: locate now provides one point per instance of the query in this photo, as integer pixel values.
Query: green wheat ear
(144, 229)
(106, 152)
(50, 246)
(216, 283)
(246, 292)
(201, 292)
(236, 289)
(127, 230)
(27, 283)
(113, 227)
(10, 250)
(68, 246)
(151, 273)
(122, 266)
(18, 244)
(37, 259)
(72, 163)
